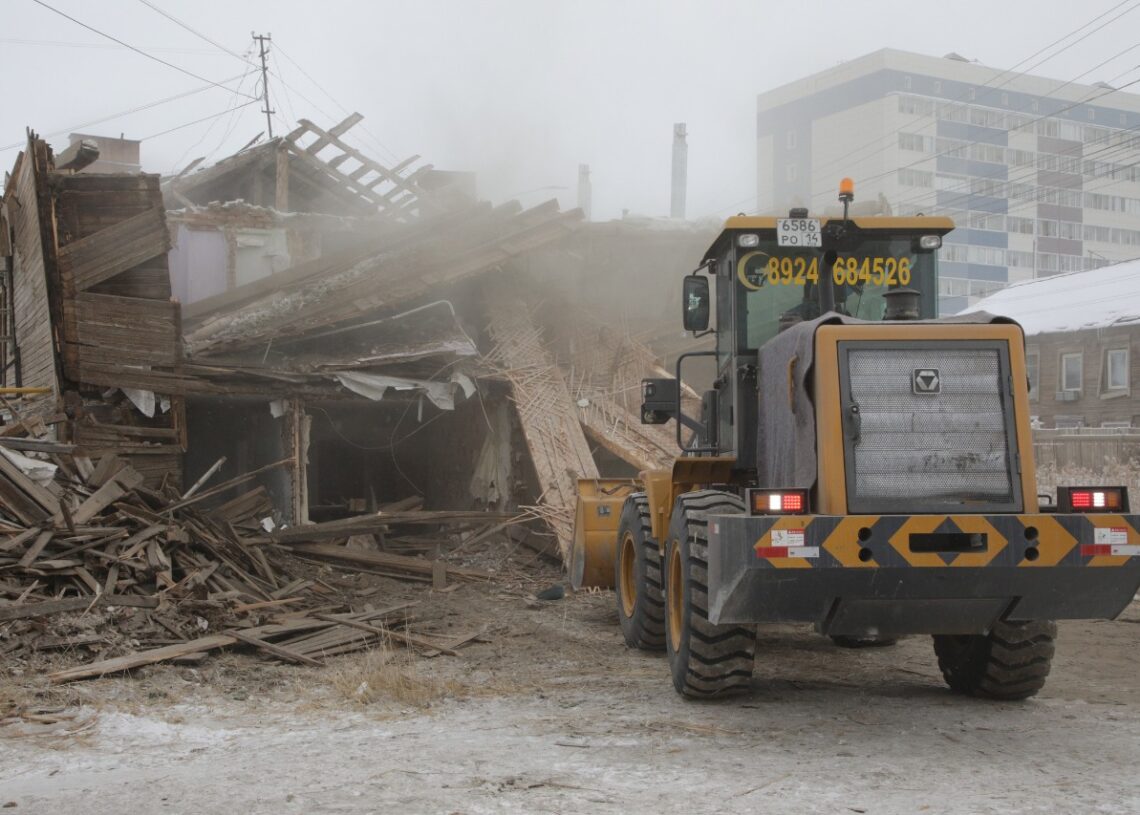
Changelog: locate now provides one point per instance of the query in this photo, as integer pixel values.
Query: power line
(138, 109)
(199, 121)
(962, 98)
(1090, 98)
(933, 116)
(1097, 93)
(195, 32)
(100, 46)
(1030, 172)
(149, 56)
(208, 130)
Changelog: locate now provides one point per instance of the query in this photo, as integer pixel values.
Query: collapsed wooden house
(377, 327)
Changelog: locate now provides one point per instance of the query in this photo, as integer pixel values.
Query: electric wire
(375, 139)
(100, 46)
(1099, 93)
(121, 114)
(199, 121)
(197, 33)
(891, 137)
(139, 51)
(1013, 74)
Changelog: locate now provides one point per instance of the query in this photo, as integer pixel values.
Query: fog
(520, 92)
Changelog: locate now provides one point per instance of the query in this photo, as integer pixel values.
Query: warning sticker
(1130, 551)
(794, 537)
(1110, 535)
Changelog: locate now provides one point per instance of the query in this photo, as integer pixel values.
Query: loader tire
(705, 660)
(1009, 663)
(637, 578)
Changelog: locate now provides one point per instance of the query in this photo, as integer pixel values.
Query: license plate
(798, 232)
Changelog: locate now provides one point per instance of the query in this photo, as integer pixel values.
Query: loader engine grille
(928, 428)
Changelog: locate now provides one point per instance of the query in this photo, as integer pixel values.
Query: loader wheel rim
(673, 599)
(628, 586)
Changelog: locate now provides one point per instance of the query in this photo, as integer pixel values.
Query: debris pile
(162, 571)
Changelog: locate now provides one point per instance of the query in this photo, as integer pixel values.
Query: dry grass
(387, 674)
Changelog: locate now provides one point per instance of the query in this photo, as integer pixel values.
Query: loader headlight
(930, 242)
(748, 241)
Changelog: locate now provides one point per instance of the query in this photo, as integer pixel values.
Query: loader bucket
(595, 530)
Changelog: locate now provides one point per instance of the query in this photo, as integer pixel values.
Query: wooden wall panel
(31, 301)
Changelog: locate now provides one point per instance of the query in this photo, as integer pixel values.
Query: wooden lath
(554, 437)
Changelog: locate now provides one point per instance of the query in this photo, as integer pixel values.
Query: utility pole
(268, 111)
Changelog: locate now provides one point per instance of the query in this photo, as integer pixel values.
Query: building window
(1072, 372)
(915, 178)
(1033, 370)
(790, 140)
(1116, 369)
(907, 82)
(791, 172)
(938, 86)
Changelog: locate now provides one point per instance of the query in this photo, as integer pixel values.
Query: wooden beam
(69, 604)
(335, 131)
(281, 198)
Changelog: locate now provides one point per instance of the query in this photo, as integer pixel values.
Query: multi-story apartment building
(1041, 175)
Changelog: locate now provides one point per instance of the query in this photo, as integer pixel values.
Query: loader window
(780, 285)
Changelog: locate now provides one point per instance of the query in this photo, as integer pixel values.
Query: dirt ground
(550, 713)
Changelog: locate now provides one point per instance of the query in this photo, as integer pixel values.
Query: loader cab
(764, 274)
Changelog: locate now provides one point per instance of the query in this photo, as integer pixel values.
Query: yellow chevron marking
(843, 543)
(917, 524)
(1103, 521)
(976, 524)
(1053, 541)
(786, 522)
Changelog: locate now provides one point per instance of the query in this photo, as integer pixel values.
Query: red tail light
(778, 502)
(1092, 499)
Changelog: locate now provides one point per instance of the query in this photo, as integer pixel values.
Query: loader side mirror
(695, 300)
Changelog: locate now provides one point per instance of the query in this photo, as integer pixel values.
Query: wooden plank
(126, 663)
(31, 306)
(124, 480)
(336, 131)
(15, 502)
(384, 560)
(29, 487)
(115, 249)
(108, 466)
(398, 636)
(14, 543)
(37, 445)
(276, 650)
(36, 548)
(68, 604)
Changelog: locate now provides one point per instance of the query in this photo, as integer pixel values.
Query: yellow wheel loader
(858, 464)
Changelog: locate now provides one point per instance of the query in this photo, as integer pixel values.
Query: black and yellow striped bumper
(896, 574)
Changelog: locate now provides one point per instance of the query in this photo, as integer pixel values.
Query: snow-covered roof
(1070, 302)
